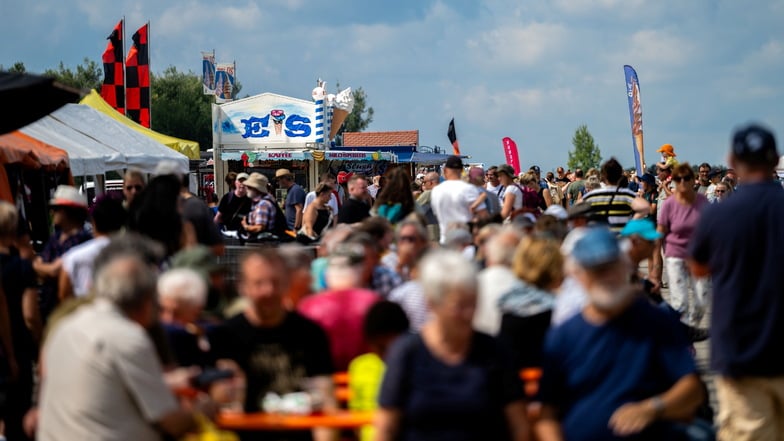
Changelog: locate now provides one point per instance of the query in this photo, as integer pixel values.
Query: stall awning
(306, 155)
(18, 148)
(97, 143)
(187, 148)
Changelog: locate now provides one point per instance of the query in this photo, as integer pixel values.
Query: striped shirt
(612, 204)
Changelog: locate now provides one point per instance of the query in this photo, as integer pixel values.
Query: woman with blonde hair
(526, 309)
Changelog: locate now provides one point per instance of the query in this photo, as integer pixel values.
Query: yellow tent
(187, 148)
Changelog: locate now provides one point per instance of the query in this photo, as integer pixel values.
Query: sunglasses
(682, 178)
(134, 187)
(719, 191)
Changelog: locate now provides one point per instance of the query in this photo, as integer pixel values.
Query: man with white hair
(622, 366)
(496, 279)
(104, 345)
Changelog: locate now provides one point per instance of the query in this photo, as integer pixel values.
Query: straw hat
(67, 196)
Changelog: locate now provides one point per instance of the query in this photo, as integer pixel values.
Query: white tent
(97, 143)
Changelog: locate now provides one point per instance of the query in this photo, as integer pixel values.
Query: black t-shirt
(275, 359)
(195, 211)
(450, 402)
(353, 211)
(232, 208)
(18, 275)
(741, 241)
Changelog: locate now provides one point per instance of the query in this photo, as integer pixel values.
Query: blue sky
(533, 71)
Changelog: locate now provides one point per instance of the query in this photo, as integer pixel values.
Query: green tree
(586, 153)
(86, 76)
(180, 108)
(17, 67)
(359, 118)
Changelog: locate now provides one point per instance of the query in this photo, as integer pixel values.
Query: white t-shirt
(515, 190)
(333, 202)
(79, 261)
(451, 201)
(492, 188)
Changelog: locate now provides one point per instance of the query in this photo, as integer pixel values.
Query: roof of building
(363, 139)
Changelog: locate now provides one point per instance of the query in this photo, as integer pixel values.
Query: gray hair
(442, 271)
(183, 284)
(500, 248)
(420, 229)
(126, 281)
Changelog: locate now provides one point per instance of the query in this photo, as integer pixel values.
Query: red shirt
(341, 315)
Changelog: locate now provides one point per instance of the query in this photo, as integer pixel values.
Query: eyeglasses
(682, 178)
(409, 239)
(134, 187)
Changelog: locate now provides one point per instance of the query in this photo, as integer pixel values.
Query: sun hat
(641, 227)
(282, 173)
(257, 181)
(667, 148)
(68, 196)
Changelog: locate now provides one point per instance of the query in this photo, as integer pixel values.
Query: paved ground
(702, 357)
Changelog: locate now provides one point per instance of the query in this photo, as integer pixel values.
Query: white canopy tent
(96, 143)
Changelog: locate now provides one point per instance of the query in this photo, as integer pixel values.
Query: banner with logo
(511, 153)
(208, 72)
(635, 116)
(224, 82)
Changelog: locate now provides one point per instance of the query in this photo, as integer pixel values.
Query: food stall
(270, 131)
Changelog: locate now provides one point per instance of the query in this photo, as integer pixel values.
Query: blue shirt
(294, 196)
(458, 402)
(590, 371)
(741, 241)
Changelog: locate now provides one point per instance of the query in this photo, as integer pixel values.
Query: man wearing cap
(69, 213)
(744, 259)
(452, 199)
(606, 374)
(234, 205)
(261, 217)
(295, 198)
(715, 177)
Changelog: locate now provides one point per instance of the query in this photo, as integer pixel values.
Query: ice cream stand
(270, 131)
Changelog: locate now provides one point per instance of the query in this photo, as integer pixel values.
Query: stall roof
(187, 148)
(18, 148)
(97, 143)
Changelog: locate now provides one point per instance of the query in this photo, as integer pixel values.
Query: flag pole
(122, 59)
(149, 73)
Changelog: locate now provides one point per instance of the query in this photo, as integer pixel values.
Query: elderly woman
(678, 219)
(449, 381)
(182, 293)
(527, 309)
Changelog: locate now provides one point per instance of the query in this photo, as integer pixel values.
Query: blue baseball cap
(641, 227)
(597, 247)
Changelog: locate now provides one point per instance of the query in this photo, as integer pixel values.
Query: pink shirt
(341, 314)
(680, 220)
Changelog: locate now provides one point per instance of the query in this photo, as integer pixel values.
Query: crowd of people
(433, 292)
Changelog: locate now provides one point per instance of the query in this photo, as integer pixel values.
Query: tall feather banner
(635, 116)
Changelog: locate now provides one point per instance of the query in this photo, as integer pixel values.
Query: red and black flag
(137, 78)
(453, 137)
(113, 87)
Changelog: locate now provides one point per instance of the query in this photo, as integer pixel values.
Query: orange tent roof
(18, 148)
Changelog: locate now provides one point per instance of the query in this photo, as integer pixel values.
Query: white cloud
(517, 46)
(197, 17)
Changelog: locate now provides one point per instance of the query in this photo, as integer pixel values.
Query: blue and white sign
(268, 119)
